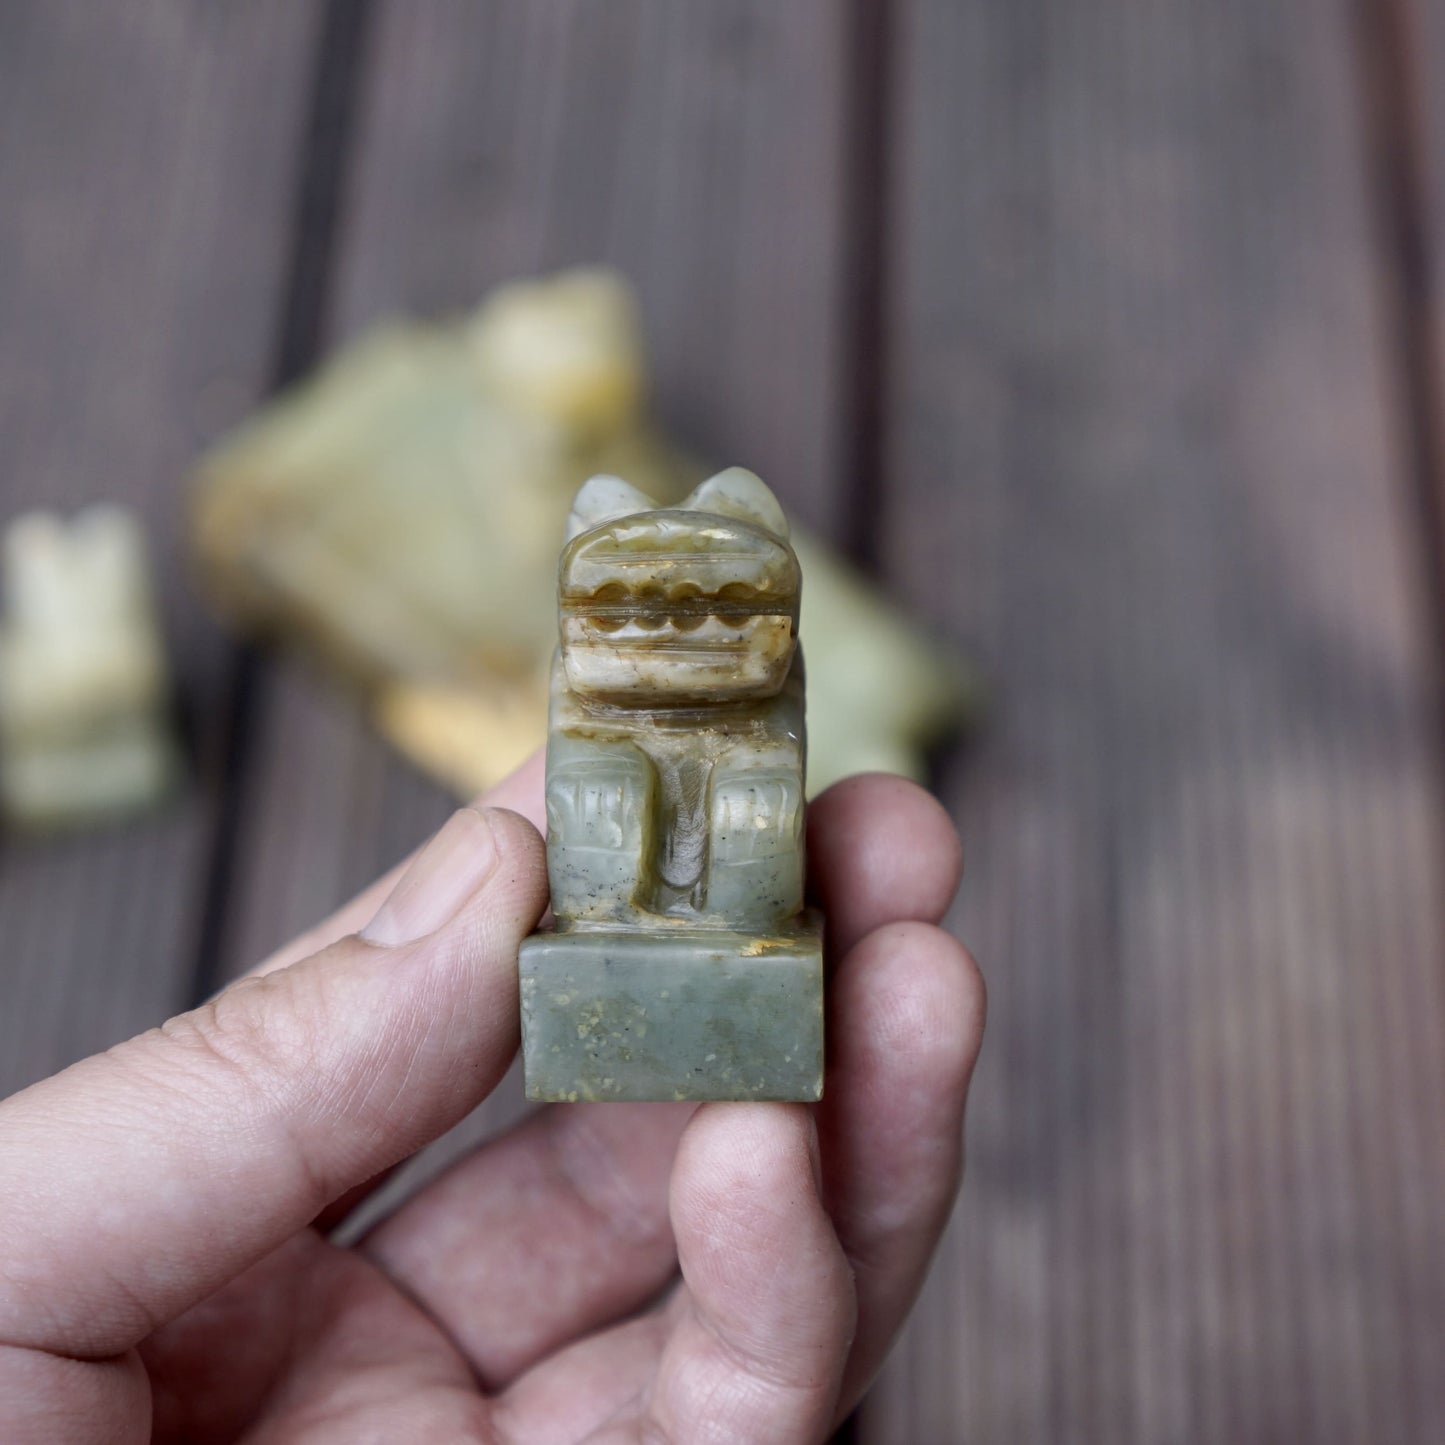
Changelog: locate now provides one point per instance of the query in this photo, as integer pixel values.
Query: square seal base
(691, 1014)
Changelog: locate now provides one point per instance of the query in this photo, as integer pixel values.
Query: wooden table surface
(1108, 335)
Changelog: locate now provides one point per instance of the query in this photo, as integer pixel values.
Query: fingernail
(441, 878)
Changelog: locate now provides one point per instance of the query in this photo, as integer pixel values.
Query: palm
(323, 1338)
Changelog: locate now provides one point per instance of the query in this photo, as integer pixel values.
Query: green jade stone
(681, 963)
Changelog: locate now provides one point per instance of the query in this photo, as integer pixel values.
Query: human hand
(164, 1271)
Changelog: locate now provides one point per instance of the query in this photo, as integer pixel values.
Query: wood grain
(1147, 462)
(146, 160)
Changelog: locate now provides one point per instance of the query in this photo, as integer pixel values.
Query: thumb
(140, 1180)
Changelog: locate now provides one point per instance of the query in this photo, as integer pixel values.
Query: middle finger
(555, 1228)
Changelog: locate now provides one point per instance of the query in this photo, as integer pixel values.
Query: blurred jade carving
(83, 690)
(399, 515)
(681, 964)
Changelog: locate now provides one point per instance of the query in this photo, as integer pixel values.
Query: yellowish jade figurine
(398, 515)
(681, 963)
(83, 691)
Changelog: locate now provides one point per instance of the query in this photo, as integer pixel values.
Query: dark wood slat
(697, 148)
(1148, 463)
(146, 160)
(1403, 49)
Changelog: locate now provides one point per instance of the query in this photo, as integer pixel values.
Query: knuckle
(240, 1036)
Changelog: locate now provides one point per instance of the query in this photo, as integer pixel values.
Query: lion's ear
(740, 494)
(602, 499)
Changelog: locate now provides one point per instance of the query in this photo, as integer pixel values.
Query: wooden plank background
(1108, 336)
(1144, 437)
(148, 159)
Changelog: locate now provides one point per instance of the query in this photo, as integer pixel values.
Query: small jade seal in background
(682, 963)
(85, 731)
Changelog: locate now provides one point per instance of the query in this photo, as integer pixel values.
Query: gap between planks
(328, 142)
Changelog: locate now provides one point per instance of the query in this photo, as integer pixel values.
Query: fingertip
(906, 1019)
(522, 848)
(912, 999)
(881, 849)
(464, 976)
(520, 793)
(742, 1156)
(743, 1176)
(498, 916)
(764, 1269)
